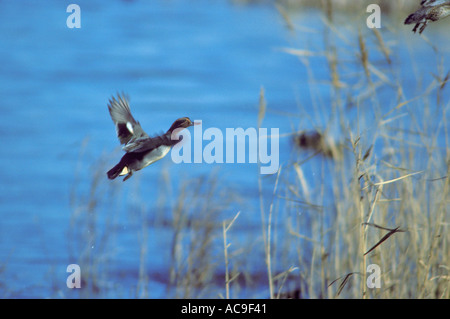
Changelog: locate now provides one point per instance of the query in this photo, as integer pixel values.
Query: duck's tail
(117, 170)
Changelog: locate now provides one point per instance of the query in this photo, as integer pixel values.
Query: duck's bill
(197, 122)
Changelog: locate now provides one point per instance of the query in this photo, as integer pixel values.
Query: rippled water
(204, 59)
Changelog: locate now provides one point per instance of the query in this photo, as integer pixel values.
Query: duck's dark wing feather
(127, 128)
(417, 17)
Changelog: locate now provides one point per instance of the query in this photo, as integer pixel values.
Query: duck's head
(181, 123)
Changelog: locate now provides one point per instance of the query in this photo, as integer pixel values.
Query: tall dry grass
(391, 188)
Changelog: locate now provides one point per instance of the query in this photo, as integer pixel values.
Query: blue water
(204, 59)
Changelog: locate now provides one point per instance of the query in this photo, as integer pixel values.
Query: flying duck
(141, 149)
(430, 10)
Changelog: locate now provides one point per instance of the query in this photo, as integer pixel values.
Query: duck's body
(135, 161)
(141, 150)
(430, 10)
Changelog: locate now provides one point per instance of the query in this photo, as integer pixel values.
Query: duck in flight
(141, 149)
(430, 10)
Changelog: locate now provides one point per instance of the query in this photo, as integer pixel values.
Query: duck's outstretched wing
(433, 3)
(127, 128)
